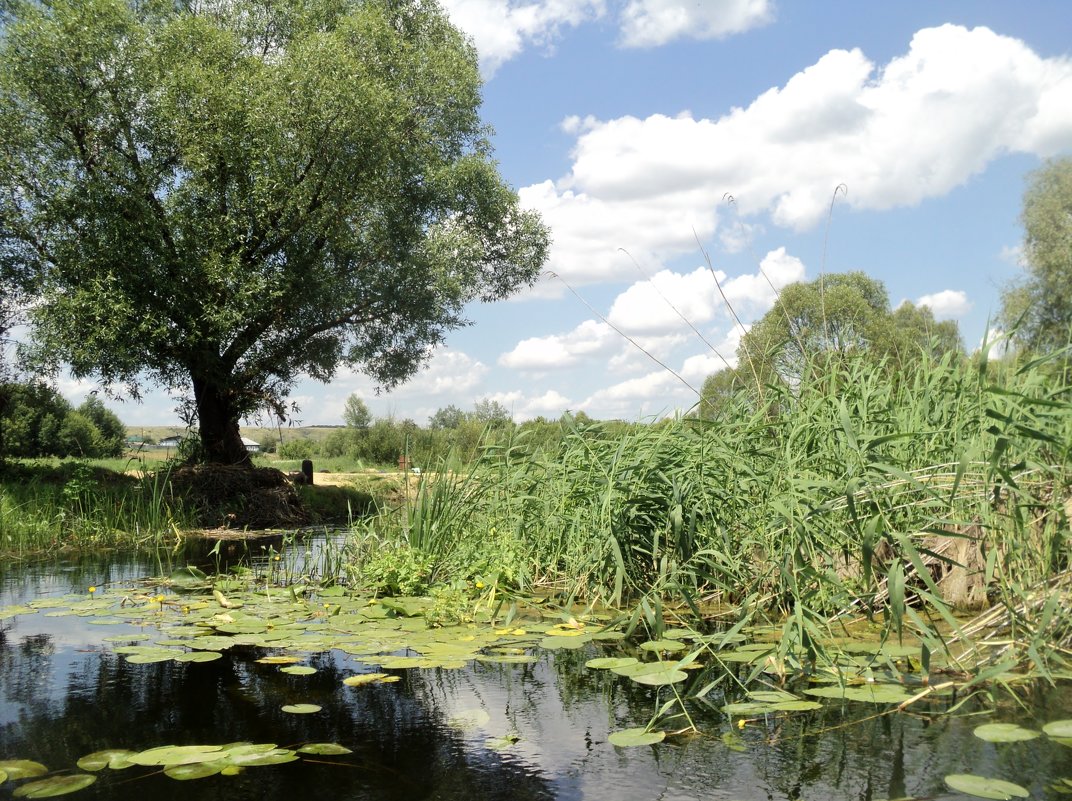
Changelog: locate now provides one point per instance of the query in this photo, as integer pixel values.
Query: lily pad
(301, 709)
(982, 787)
(560, 642)
(324, 749)
(194, 771)
(298, 670)
(627, 738)
(502, 743)
(665, 646)
(55, 785)
(1004, 733)
(114, 758)
(1055, 729)
(171, 755)
(369, 678)
(869, 693)
(611, 662)
(22, 768)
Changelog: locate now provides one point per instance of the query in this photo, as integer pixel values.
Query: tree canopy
(357, 413)
(221, 197)
(834, 316)
(1038, 308)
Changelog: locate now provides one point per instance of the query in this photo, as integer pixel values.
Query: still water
(64, 693)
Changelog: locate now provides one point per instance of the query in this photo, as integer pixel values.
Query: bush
(298, 449)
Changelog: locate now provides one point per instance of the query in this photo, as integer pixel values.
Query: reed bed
(912, 500)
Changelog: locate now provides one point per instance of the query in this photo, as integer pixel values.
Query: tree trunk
(221, 441)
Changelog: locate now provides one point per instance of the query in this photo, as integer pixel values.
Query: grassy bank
(912, 500)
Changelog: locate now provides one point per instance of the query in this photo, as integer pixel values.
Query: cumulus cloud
(947, 304)
(895, 134)
(648, 23)
(649, 306)
(501, 29)
(556, 351)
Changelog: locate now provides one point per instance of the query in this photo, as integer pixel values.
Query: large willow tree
(219, 197)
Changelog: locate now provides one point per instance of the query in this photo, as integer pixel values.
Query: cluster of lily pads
(198, 621)
(180, 762)
(1059, 731)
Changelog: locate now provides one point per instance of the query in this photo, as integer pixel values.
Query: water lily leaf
(272, 756)
(502, 743)
(301, 709)
(1004, 733)
(22, 768)
(368, 678)
(666, 646)
(324, 749)
(869, 693)
(983, 787)
(611, 662)
(278, 660)
(170, 755)
(198, 656)
(114, 758)
(1058, 728)
(607, 635)
(148, 656)
(771, 696)
(627, 738)
(3, 776)
(194, 771)
(55, 785)
(660, 678)
(298, 670)
(469, 719)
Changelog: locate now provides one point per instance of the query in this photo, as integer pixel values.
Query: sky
(667, 142)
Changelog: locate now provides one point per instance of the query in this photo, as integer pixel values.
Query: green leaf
(22, 768)
(324, 749)
(628, 738)
(55, 785)
(1004, 733)
(114, 758)
(194, 771)
(983, 787)
(1056, 728)
(300, 709)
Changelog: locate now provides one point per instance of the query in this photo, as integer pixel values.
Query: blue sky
(627, 124)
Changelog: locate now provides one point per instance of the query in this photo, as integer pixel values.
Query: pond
(536, 727)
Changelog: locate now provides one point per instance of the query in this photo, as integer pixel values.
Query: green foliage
(356, 414)
(297, 449)
(447, 417)
(1038, 308)
(813, 325)
(222, 200)
(491, 412)
(399, 570)
(112, 432)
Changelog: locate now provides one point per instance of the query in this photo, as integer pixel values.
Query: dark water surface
(64, 694)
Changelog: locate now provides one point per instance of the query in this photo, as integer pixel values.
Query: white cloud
(947, 304)
(501, 29)
(649, 306)
(894, 134)
(1013, 254)
(648, 23)
(558, 351)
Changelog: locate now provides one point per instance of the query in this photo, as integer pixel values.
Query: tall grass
(46, 508)
(906, 498)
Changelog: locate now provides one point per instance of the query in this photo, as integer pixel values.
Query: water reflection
(65, 694)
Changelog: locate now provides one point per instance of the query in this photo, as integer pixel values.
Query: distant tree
(77, 436)
(222, 197)
(1037, 309)
(833, 317)
(357, 414)
(718, 391)
(448, 417)
(113, 434)
(491, 412)
(31, 420)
